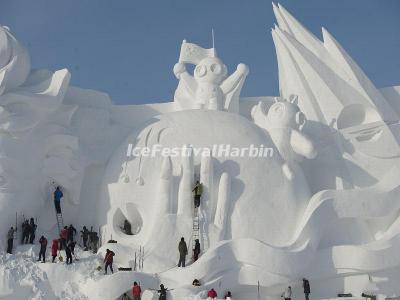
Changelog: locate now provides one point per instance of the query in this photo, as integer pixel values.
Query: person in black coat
(26, 230)
(85, 237)
(32, 233)
(163, 292)
(196, 250)
(68, 253)
(71, 233)
(306, 287)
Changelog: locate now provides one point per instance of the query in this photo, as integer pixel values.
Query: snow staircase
(60, 222)
(196, 227)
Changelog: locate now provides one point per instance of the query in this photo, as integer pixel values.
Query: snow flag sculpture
(324, 206)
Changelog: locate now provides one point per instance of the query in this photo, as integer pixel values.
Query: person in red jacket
(64, 237)
(136, 291)
(212, 294)
(54, 249)
(108, 260)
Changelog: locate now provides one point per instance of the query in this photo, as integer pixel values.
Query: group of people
(287, 294)
(28, 234)
(137, 292)
(28, 231)
(183, 251)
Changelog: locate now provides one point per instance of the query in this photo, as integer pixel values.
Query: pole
(213, 41)
(134, 266)
(258, 289)
(143, 258)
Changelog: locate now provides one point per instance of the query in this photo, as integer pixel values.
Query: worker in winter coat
(68, 253)
(163, 292)
(26, 230)
(71, 233)
(32, 233)
(196, 250)
(57, 199)
(212, 294)
(108, 260)
(64, 237)
(228, 296)
(197, 191)
(125, 297)
(10, 240)
(54, 249)
(183, 251)
(287, 294)
(85, 236)
(306, 287)
(43, 247)
(136, 291)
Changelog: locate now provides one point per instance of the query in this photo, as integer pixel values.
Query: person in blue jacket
(57, 199)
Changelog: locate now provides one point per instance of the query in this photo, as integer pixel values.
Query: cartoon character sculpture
(284, 121)
(209, 88)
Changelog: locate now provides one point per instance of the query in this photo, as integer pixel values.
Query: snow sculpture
(332, 217)
(283, 122)
(209, 88)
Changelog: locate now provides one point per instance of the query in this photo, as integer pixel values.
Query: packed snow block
(185, 203)
(222, 210)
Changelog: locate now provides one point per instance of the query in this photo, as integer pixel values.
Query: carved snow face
(210, 69)
(285, 114)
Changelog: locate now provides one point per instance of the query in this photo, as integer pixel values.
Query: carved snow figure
(284, 122)
(209, 88)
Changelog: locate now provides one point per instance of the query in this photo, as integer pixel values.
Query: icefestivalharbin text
(220, 150)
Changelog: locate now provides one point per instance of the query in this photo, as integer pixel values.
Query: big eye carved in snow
(201, 70)
(216, 68)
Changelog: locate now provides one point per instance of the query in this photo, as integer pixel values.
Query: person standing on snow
(68, 253)
(43, 246)
(287, 294)
(136, 291)
(108, 260)
(197, 190)
(57, 199)
(306, 287)
(183, 251)
(85, 236)
(125, 297)
(26, 229)
(54, 249)
(64, 237)
(196, 250)
(163, 292)
(10, 240)
(71, 233)
(32, 227)
(212, 294)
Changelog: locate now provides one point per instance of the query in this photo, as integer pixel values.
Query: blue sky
(128, 48)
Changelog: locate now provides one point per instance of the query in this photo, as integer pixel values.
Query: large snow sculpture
(209, 88)
(332, 217)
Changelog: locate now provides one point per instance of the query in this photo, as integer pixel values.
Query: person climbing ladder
(197, 190)
(57, 199)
